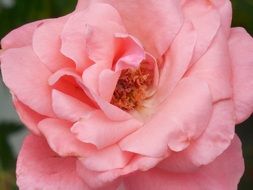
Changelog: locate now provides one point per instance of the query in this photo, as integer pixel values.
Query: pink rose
(141, 94)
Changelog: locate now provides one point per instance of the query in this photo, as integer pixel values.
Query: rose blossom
(139, 94)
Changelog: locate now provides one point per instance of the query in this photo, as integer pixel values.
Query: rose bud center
(132, 88)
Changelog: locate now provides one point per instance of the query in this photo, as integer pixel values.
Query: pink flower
(141, 94)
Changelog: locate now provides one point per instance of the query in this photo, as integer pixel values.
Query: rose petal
(178, 162)
(101, 35)
(159, 29)
(38, 167)
(217, 136)
(81, 5)
(69, 108)
(61, 140)
(113, 112)
(107, 83)
(112, 177)
(213, 141)
(214, 68)
(224, 173)
(29, 117)
(27, 78)
(225, 9)
(21, 36)
(173, 125)
(90, 77)
(241, 48)
(200, 13)
(177, 61)
(49, 33)
(140, 163)
(70, 82)
(98, 25)
(129, 53)
(97, 180)
(101, 131)
(106, 159)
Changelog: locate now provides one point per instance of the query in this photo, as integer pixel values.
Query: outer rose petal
(222, 174)
(61, 140)
(27, 77)
(159, 29)
(214, 68)
(97, 180)
(217, 136)
(225, 9)
(49, 33)
(21, 36)
(38, 167)
(100, 179)
(109, 158)
(241, 50)
(98, 25)
(201, 12)
(29, 117)
(213, 141)
(97, 129)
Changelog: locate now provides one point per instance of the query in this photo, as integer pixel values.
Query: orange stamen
(131, 88)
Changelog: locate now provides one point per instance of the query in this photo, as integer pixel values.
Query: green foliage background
(29, 10)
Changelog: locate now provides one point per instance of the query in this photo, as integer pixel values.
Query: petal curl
(107, 83)
(61, 140)
(214, 140)
(241, 48)
(69, 82)
(217, 136)
(69, 108)
(129, 52)
(101, 131)
(107, 159)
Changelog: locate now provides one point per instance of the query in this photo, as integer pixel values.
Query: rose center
(131, 88)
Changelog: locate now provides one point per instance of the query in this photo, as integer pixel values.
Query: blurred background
(14, 13)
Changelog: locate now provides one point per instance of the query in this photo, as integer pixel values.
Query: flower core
(131, 88)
